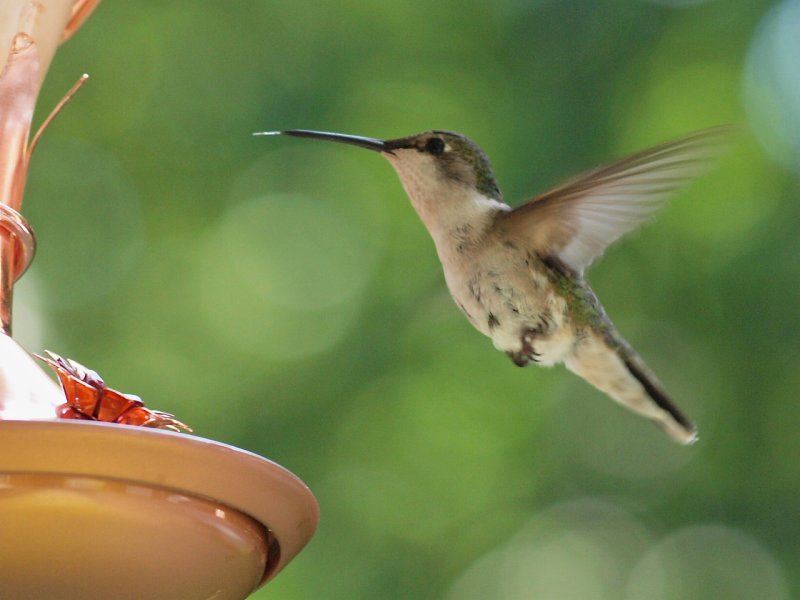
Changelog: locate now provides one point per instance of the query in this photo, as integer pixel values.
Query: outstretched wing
(578, 220)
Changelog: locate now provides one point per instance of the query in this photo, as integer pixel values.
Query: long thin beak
(355, 140)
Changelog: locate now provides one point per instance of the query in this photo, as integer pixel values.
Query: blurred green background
(281, 295)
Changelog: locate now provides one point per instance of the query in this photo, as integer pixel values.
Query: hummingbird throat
(453, 211)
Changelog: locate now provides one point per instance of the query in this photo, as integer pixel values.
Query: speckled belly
(504, 302)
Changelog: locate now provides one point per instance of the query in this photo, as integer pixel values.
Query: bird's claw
(526, 354)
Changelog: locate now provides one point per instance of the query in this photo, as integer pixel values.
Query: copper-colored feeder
(96, 510)
(92, 510)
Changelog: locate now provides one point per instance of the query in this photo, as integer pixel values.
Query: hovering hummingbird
(517, 273)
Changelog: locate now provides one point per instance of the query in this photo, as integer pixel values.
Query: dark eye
(435, 146)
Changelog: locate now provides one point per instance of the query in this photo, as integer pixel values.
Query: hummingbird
(517, 274)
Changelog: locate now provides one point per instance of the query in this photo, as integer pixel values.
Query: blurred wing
(579, 219)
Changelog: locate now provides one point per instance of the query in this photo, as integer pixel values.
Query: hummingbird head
(446, 175)
(440, 161)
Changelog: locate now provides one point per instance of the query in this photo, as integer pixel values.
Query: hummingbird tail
(679, 426)
(621, 373)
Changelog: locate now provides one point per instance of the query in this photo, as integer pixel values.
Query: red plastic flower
(89, 399)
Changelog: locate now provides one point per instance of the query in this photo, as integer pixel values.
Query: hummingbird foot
(526, 355)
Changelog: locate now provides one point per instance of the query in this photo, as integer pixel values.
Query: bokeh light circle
(578, 550)
(772, 83)
(294, 252)
(707, 561)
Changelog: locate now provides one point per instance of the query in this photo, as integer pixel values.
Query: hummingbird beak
(354, 140)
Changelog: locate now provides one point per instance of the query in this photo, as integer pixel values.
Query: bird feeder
(91, 509)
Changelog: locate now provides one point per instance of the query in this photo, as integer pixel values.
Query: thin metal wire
(54, 113)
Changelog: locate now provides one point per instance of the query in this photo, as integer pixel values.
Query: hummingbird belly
(508, 300)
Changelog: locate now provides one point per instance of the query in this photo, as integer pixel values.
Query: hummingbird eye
(435, 146)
